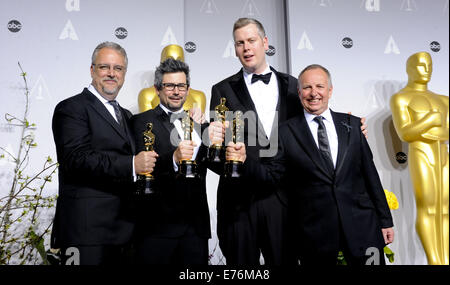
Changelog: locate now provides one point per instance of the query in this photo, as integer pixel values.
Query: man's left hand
(364, 127)
(236, 151)
(197, 115)
(388, 235)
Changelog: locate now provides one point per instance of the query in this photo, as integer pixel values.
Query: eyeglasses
(171, 86)
(107, 67)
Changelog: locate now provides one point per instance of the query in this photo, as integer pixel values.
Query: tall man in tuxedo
(251, 214)
(173, 225)
(324, 164)
(96, 164)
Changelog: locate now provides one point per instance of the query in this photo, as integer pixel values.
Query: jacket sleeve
(268, 169)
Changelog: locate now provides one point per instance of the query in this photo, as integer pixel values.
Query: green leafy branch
(20, 209)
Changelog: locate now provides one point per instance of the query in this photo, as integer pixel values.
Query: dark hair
(111, 45)
(170, 65)
(315, 66)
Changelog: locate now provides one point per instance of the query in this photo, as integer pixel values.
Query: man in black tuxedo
(250, 215)
(173, 225)
(324, 164)
(95, 151)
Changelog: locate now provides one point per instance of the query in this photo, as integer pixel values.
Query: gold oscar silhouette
(148, 98)
(188, 167)
(216, 152)
(421, 118)
(145, 180)
(233, 167)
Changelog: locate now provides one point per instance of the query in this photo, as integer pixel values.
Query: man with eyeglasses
(97, 166)
(172, 225)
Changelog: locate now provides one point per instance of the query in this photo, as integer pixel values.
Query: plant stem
(6, 209)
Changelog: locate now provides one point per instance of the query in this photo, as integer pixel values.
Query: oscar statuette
(145, 180)
(187, 167)
(216, 152)
(233, 167)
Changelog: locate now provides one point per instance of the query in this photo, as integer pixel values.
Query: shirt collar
(167, 110)
(94, 91)
(326, 115)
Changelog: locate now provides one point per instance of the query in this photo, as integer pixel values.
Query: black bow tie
(177, 116)
(264, 78)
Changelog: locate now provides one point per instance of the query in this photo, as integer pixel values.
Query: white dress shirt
(108, 106)
(195, 136)
(329, 126)
(265, 98)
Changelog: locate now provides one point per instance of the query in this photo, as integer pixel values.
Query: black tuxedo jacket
(318, 199)
(238, 97)
(95, 156)
(176, 203)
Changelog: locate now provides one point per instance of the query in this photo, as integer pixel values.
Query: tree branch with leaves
(22, 232)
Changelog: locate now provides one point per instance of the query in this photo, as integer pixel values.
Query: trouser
(259, 228)
(188, 249)
(330, 258)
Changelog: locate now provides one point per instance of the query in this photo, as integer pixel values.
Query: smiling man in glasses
(97, 166)
(173, 224)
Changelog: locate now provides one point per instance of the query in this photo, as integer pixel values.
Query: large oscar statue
(148, 99)
(145, 180)
(187, 167)
(421, 119)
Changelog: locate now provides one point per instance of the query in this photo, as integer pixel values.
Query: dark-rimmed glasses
(171, 86)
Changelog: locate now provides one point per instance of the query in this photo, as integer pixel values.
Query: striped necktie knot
(117, 111)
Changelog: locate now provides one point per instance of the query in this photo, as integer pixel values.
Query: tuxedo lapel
(243, 96)
(302, 133)
(282, 104)
(127, 117)
(164, 119)
(241, 92)
(343, 130)
(102, 111)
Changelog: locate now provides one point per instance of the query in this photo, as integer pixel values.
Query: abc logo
(347, 42)
(271, 51)
(435, 46)
(14, 26)
(121, 33)
(401, 157)
(190, 47)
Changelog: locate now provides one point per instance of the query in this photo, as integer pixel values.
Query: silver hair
(111, 45)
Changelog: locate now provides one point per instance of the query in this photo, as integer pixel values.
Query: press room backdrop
(364, 44)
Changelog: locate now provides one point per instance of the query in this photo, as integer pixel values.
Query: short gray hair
(315, 66)
(242, 22)
(170, 65)
(111, 45)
